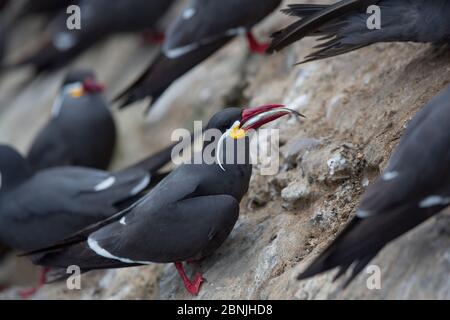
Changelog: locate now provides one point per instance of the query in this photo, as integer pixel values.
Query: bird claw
(28, 293)
(255, 46)
(193, 287)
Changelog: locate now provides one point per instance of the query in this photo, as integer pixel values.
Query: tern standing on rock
(186, 217)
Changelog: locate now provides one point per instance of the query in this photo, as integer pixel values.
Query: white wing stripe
(105, 184)
(94, 246)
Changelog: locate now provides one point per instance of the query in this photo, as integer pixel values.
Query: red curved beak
(91, 85)
(254, 118)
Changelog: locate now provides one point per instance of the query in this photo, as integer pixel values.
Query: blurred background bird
(81, 131)
(344, 25)
(201, 29)
(99, 19)
(172, 224)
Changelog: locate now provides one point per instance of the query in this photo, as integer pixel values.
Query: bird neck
(232, 152)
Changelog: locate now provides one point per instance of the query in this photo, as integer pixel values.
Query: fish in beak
(254, 118)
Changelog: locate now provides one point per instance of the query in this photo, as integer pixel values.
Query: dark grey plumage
(37, 209)
(81, 131)
(202, 29)
(32, 7)
(344, 25)
(168, 224)
(99, 19)
(186, 217)
(414, 187)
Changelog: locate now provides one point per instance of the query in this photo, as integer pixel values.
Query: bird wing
(74, 199)
(362, 239)
(345, 26)
(305, 27)
(395, 203)
(180, 231)
(98, 19)
(163, 71)
(418, 167)
(169, 190)
(203, 22)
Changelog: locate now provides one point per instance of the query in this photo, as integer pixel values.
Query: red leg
(193, 287)
(255, 46)
(27, 293)
(153, 36)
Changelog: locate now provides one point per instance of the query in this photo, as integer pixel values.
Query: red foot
(153, 36)
(193, 287)
(255, 46)
(28, 293)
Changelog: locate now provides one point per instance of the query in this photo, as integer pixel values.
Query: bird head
(81, 82)
(14, 169)
(237, 122)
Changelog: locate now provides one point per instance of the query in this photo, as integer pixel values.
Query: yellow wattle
(237, 133)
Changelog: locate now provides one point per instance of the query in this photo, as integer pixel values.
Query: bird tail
(303, 10)
(163, 72)
(363, 239)
(75, 251)
(313, 17)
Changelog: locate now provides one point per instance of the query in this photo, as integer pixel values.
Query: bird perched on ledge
(186, 217)
(81, 131)
(202, 29)
(414, 187)
(344, 25)
(99, 19)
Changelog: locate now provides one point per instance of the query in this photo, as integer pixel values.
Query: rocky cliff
(357, 106)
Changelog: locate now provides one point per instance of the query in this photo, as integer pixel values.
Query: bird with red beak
(186, 217)
(81, 130)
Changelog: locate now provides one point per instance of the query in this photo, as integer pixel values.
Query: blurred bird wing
(309, 25)
(203, 22)
(79, 191)
(418, 167)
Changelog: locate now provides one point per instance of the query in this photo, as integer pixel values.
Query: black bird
(81, 131)
(99, 19)
(186, 217)
(37, 209)
(66, 199)
(344, 25)
(203, 28)
(414, 187)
